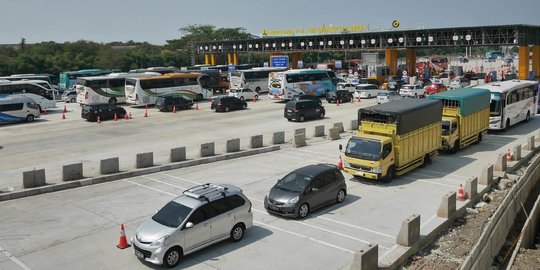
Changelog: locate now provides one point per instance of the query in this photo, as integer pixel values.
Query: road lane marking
(446, 174)
(165, 183)
(151, 188)
(315, 152)
(14, 259)
(293, 157)
(183, 179)
(441, 178)
(426, 181)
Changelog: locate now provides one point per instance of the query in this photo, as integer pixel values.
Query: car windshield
(364, 149)
(445, 128)
(495, 104)
(294, 182)
(383, 94)
(172, 214)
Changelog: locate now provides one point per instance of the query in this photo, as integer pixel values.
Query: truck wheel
(390, 174)
(507, 124)
(427, 160)
(528, 117)
(479, 138)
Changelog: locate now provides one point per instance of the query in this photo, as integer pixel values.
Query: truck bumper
(367, 175)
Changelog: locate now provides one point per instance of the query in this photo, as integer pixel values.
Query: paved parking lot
(79, 228)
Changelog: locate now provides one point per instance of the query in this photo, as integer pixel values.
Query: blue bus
(316, 82)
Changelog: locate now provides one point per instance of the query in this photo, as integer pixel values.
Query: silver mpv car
(202, 216)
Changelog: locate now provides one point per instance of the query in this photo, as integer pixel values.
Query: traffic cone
(197, 106)
(460, 194)
(254, 99)
(122, 243)
(126, 117)
(130, 115)
(63, 116)
(340, 163)
(358, 99)
(508, 155)
(65, 109)
(146, 110)
(174, 109)
(45, 112)
(98, 120)
(337, 102)
(115, 117)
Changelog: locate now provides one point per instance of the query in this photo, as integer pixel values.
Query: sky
(158, 21)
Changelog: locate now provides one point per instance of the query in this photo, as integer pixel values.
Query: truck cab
(450, 134)
(369, 156)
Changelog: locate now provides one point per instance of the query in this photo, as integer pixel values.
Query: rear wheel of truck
(455, 149)
(479, 138)
(427, 160)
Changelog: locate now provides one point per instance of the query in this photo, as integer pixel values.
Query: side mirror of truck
(340, 147)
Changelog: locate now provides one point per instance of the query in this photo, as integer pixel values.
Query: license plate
(139, 254)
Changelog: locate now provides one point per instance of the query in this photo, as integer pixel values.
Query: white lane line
(342, 223)
(446, 174)
(303, 236)
(428, 221)
(183, 179)
(165, 183)
(315, 152)
(305, 155)
(14, 259)
(259, 223)
(440, 178)
(293, 157)
(428, 182)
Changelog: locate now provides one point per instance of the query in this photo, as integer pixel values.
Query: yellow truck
(465, 117)
(394, 138)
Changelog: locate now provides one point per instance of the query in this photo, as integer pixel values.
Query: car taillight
(86, 95)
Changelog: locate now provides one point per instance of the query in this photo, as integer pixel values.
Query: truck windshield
(495, 105)
(364, 149)
(445, 128)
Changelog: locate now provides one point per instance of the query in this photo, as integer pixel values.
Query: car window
(219, 206)
(197, 217)
(234, 201)
(209, 211)
(327, 178)
(318, 182)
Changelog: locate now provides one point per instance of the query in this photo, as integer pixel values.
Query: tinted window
(172, 214)
(219, 206)
(209, 211)
(234, 201)
(197, 217)
(11, 107)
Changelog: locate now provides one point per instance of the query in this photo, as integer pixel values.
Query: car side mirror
(189, 225)
(340, 147)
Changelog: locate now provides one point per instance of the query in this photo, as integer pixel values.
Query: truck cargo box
(469, 100)
(407, 114)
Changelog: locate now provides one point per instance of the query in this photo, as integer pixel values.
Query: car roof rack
(205, 191)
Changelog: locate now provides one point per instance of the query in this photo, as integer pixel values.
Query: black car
(303, 109)
(305, 97)
(103, 111)
(166, 103)
(341, 95)
(306, 189)
(227, 103)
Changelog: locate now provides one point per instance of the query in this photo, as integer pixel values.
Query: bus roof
(82, 71)
(305, 71)
(505, 86)
(122, 75)
(4, 82)
(172, 76)
(255, 69)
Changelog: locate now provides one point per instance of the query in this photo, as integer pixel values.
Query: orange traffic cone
(65, 109)
(122, 243)
(115, 117)
(254, 99)
(340, 163)
(130, 115)
(460, 194)
(126, 117)
(508, 155)
(146, 110)
(197, 106)
(63, 116)
(337, 102)
(98, 120)
(358, 99)
(45, 112)
(174, 109)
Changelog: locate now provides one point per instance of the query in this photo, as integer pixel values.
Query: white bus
(255, 79)
(105, 89)
(511, 102)
(35, 89)
(145, 90)
(17, 109)
(284, 85)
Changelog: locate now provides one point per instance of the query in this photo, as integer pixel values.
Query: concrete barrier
(354, 125)
(278, 137)
(233, 145)
(530, 143)
(300, 131)
(500, 164)
(516, 152)
(207, 149)
(471, 188)
(447, 209)
(145, 160)
(486, 178)
(333, 134)
(109, 165)
(409, 232)
(256, 141)
(367, 258)
(340, 126)
(72, 172)
(178, 154)
(319, 131)
(299, 140)
(34, 178)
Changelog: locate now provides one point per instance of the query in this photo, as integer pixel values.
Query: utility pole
(192, 51)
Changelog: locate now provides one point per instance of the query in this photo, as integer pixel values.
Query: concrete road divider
(208, 149)
(233, 145)
(367, 258)
(340, 126)
(333, 134)
(447, 209)
(354, 125)
(178, 154)
(72, 172)
(486, 178)
(471, 188)
(516, 152)
(34, 178)
(300, 131)
(500, 164)
(145, 160)
(109, 165)
(278, 137)
(530, 144)
(319, 131)
(256, 141)
(299, 140)
(409, 232)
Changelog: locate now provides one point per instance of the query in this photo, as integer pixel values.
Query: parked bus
(105, 89)
(17, 109)
(51, 79)
(284, 85)
(143, 91)
(68, 79)
(43, 96)
(255, 79)
(160, 70)
(511, 102)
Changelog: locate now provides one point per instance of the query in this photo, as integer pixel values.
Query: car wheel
(112, 101)
(227, 109)
(242, 98)
(303, 210)
(340, 196)
(244, 106)
(172, 257)
(321, 115)
(256, 97)
(121, 115)
(415, 96)
(39, 108)
(258, 90)
(199, 97)
(301, 118)
(289, 119)
(369, 96)
(237, 232)
(528, 117)
(30, 118)
(73, 100)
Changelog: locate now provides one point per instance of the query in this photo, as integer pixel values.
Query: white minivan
(17, 109)
(367, 91)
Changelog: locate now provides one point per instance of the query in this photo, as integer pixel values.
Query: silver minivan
(202, 216)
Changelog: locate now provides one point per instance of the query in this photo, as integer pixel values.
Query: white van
(367, 91)
(17, 109)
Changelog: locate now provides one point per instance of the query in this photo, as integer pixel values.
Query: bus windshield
(495, 105)
(364, 149)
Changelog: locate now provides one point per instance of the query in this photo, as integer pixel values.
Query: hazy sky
(158, 21)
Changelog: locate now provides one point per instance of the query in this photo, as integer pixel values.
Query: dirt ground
(527, 259)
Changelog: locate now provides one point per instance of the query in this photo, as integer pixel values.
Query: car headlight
(294, 200)
(160, 242)
(376, 170)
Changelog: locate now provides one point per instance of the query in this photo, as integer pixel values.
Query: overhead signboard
(279, 61)
(338, 64)
(317, 30)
